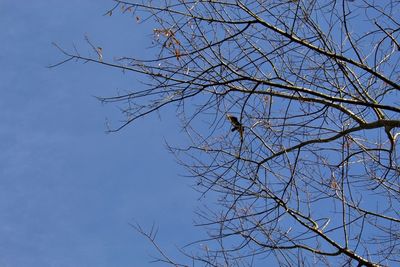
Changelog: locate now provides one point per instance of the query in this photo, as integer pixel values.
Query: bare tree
(293, 110)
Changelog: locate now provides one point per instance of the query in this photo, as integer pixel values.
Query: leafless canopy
(315, 85)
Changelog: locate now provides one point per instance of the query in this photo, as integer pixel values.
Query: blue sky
(68, 190)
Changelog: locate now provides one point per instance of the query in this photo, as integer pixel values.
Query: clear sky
(68, 190)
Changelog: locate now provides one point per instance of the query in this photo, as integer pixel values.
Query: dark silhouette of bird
(237, 126)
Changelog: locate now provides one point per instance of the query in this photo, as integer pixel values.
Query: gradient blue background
(68, 190)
